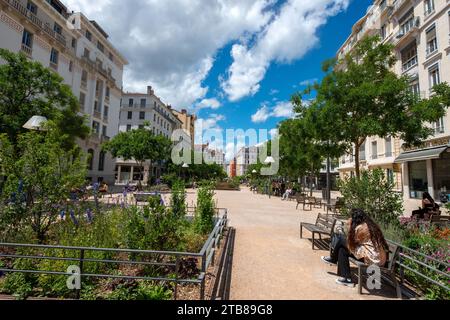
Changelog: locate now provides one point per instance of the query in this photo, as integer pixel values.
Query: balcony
(104, 139)
(107, 99)
(386, 7)
(97, 114)
(397, 5)
(411, 63)
(88, 61)
(27, 50)
(84, 84)
(411, 27)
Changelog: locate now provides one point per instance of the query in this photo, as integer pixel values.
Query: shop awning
(423, 154)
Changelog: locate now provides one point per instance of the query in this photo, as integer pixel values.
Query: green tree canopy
(361, 96)
(27, 88)
(140, 145)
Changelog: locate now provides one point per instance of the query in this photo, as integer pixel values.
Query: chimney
(150, 90)
(184, 111)
(169, 107)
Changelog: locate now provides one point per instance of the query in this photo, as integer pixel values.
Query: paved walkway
(271, 262)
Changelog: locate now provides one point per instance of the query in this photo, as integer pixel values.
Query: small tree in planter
(375, 194)
(178, 200)
(205, 209)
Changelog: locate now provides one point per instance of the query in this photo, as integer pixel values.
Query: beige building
(138, 110)
(188, 121)
(83, 57)
(420, 31)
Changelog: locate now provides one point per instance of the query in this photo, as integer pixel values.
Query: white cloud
(283, 109)
(261, 115)
(274, 92)
(171, 44)
(287, 37)
(212, 103)
(308, 82)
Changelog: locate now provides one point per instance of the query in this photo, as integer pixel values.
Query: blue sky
(235, 63)
(282, 80)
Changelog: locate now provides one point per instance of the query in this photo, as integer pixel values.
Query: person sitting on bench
(429, 206)
(365, 242)
(287, 194)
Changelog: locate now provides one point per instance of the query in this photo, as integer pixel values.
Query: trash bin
(324, 194)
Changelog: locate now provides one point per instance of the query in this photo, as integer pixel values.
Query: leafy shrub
(152, 228)
(178, 200)
(439, 249)
(374, 194)
(204, 218)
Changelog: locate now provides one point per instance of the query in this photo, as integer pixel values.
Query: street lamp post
(269, 161)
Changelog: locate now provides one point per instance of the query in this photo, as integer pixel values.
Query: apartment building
(83, 56)
(244, 158)
(188, 121)
(146, 110)
(420, 32)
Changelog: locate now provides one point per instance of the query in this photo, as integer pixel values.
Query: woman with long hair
(365, 242)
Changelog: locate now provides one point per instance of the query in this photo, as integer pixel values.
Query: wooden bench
(324, 226)
(309, 201)
(439, 220)
(300, 200)
(387, 273)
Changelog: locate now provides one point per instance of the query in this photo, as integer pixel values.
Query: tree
(38, 182)
(361, 96)
(140, 145)
(27, 88)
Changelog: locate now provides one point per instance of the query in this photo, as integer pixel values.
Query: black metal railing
(170, 260)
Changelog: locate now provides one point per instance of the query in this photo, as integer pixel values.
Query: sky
(234, 63)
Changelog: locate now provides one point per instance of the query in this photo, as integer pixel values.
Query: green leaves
(27, 88)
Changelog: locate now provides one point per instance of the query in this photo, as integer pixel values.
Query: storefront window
(418, 181)
(441, 173)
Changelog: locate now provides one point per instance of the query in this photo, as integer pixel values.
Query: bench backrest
(326, 221)
(300, 198)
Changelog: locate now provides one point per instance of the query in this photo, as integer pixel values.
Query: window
(441, 173)
(431, 40)
(407, 22)
(434, 75)
(90, 160)
(27, 39)
(84, 76)
(111, 57)
(390, 175)
(409, 56)
(439, 126)
(100, 46)
(86, 53)
(383, 31)
(374, 150)
(388, 147)
(154, 117)
(88, 35)
(95, 127)
(130, 102)
(104, 131)
(96, 106)
(54, 56)
(362, 152)
(415, 87)
(143, 103)
(418, 179)
(101, 161)
(128, 127)
(57, 28)
(142, 115)
(130, 115)
(82, 100)
(74, 43)
(105, 112)
(107, 92)
(32, 7)
(429, 7)
(70, 65)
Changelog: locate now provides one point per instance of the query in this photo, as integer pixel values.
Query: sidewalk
(271, 262)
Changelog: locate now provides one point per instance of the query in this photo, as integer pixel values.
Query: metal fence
(427, 266)
(170, 260)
